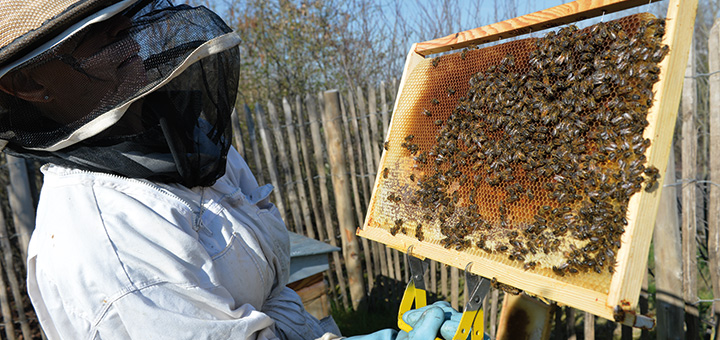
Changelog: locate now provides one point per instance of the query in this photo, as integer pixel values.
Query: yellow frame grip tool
(471, 322)
(472, 318)
(415, 290)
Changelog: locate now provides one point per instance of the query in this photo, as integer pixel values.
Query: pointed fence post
(254, 145)
(385, 114)
(21, 201)
(569, 322)
(7, 315)
(15, 282)
(297, 173)
(315, 120)
(668, 251)
(286, 180)
(341, 190)
(237, 133)
(714, 199)
(369, 252)
(589, 324)
(495, 295)
(372, 117)
(689, 172)
(270, 159)
(307, 162)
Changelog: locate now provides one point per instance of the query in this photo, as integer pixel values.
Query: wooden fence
(321, 153)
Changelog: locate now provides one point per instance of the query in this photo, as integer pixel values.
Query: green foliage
(297, 47)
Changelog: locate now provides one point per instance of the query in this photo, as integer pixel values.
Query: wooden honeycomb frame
(622, 288)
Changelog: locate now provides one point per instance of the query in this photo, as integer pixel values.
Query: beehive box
(537, 160)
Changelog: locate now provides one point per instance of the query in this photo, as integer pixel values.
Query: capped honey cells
(534, 157)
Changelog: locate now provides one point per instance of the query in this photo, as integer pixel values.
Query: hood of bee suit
(142, 89)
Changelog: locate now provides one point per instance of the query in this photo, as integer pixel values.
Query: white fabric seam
(235, 236)
(109, 303)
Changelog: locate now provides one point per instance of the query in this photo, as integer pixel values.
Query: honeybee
(419, 233)
(651, 184)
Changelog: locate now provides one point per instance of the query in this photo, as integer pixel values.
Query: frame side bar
(625, 285)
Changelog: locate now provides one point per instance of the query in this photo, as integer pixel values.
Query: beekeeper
(150, 225)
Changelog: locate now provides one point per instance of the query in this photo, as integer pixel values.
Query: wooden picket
(668, 279)
(714, 166)
(268, 151)
(310, 107)
(9, 270)
(20, 201)
(315, 120)
(341, 190)
(307, 162)
(237, 133)
(254, 149)
(689, 226)
(20, 197)
(297, 176)
(286, 187)
(367, 251)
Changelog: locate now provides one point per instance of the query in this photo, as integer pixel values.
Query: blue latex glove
(449, 326)
(425, 321)
(451, 318)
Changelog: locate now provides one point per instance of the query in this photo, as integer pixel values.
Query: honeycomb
(527, 152)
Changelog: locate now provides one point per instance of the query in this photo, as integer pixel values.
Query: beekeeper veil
(142, 89)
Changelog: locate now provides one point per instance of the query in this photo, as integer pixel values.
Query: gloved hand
(426, 323)
(449, 324)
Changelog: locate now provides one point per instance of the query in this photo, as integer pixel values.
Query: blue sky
(428, 16)
(475, 13)
(426, 19)
(491, 11)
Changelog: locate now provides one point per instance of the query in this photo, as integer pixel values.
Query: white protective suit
(119, 258)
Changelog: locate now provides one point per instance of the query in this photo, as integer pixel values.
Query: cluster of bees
(551, 141)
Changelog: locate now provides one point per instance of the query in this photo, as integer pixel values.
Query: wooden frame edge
(540, 20)
(626, 283)
(411, 61)
(535, 284)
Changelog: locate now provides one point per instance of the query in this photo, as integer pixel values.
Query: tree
(297, 47)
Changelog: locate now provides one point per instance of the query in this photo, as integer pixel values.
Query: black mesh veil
(147, 93)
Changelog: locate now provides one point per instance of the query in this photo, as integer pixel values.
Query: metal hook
(467, 267)
(409, 250)
(602, 18)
